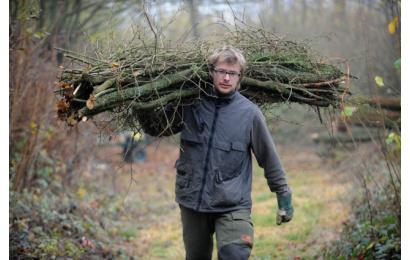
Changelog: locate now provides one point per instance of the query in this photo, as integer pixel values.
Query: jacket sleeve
(164, 122)
(265, 153)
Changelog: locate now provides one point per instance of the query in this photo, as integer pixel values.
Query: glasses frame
(221, 74)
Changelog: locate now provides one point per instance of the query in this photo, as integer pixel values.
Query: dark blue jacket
(214, 170)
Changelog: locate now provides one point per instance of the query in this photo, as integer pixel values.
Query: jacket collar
(221, 98)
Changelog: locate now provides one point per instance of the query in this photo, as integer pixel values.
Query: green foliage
(397, 64)
(348, 111)
(25, 24)
(365, 241)
(394, 137)
(373, 230)
(54, 225)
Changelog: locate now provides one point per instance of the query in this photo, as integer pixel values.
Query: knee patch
(234, 252)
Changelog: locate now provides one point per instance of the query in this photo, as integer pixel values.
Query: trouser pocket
(234, 234)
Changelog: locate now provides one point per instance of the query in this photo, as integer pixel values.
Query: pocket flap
(183, 166)
(223, 146)
(241, 215)
(238, 146)
(182, 183)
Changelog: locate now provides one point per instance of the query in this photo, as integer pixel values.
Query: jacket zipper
(208, 153)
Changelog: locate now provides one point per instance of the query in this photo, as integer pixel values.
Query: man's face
(224, 82)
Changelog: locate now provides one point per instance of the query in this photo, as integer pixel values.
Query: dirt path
(153, 216)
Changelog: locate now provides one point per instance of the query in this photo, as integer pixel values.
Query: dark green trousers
(234, 234)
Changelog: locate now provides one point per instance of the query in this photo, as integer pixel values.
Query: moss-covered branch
(145, 76)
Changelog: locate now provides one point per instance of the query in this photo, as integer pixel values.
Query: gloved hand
(285, 211)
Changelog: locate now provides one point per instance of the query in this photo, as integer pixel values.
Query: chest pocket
(230, 159)
(191, 147)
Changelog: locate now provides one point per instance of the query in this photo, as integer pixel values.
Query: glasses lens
(234, 75)
(222, 74)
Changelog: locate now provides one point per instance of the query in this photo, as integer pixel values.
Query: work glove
(285, 211)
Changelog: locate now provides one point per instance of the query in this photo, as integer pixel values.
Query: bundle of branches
(148, 76)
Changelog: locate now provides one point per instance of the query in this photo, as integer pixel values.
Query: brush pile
(146, 77)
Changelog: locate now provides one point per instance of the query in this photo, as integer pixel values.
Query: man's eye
(222, 73)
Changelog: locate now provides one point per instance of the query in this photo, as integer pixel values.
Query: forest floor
(152, 221)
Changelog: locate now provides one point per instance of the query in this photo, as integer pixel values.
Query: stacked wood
(146, 77)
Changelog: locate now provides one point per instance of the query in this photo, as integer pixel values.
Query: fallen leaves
(63, 105)
(87, 242)
(62, 109)
(71, 120)
(33, 128)
(81, 193)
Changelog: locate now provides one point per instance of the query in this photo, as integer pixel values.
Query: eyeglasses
(222, 74)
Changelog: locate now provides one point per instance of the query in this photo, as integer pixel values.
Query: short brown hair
(230, 55)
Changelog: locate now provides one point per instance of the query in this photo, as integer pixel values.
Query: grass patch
(318, 211)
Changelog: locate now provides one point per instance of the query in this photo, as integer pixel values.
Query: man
(214, 170)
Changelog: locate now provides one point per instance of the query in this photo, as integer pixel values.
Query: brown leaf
(87, 242)
(70, 92)
(60, 116)
(94, 203)
(64, 85)
(62, 105)
(71, 119)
